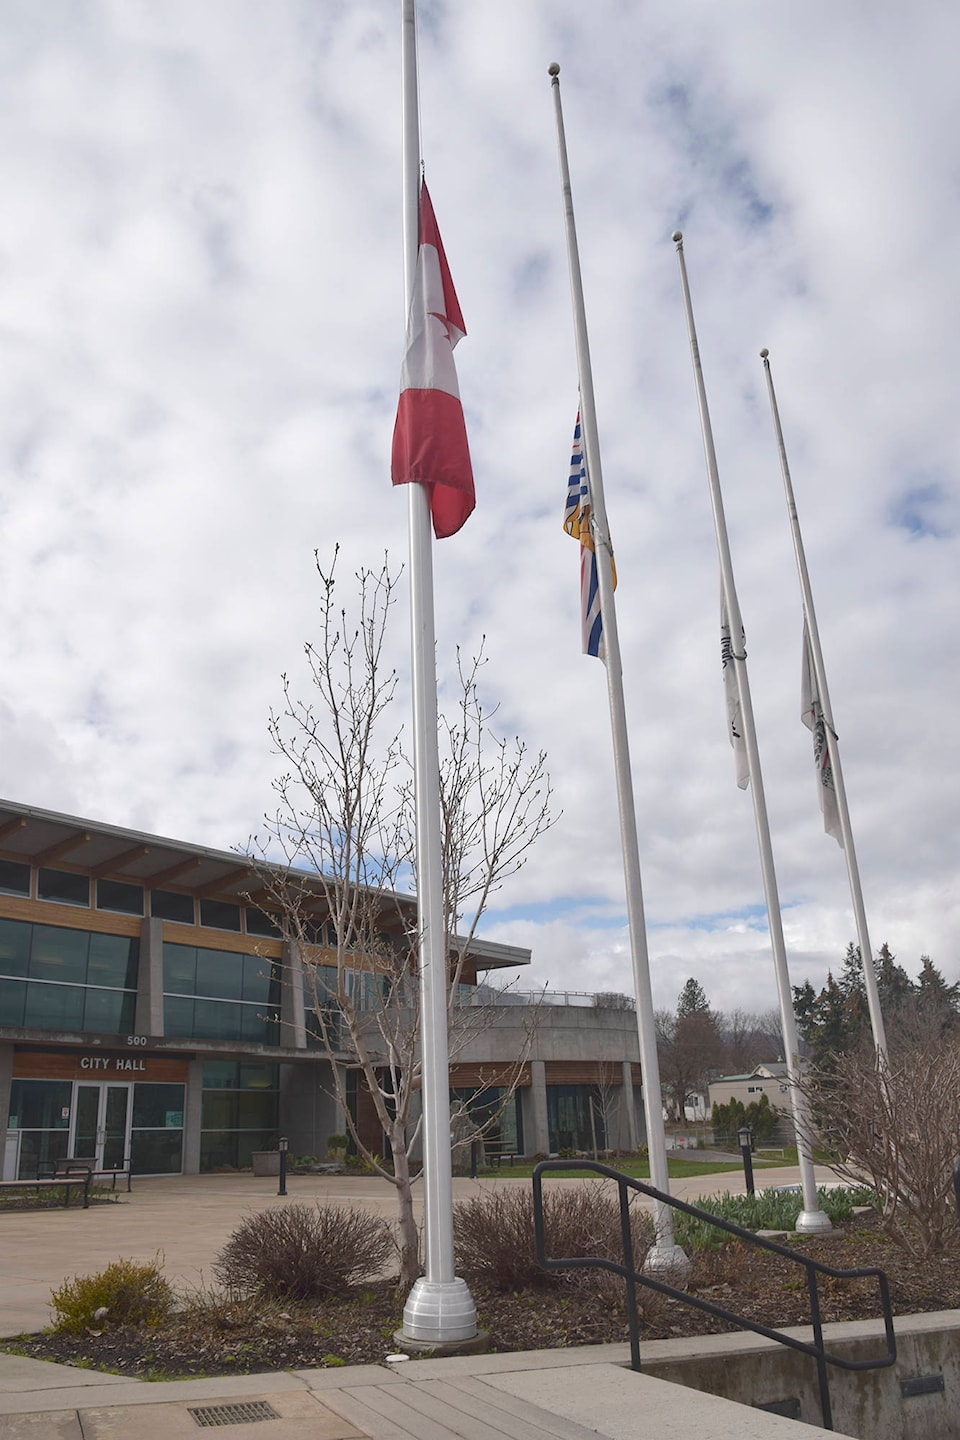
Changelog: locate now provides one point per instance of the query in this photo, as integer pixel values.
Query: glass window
(172, 905)
(258, 978)
(178, 1017)
(219, 1110)
(113, 961)
(259, 922)
(156, 1152)
(13, 996)
(259, 1026)
(41, 1104)
(54, 1007)
(219, 915)
(217, 1020)
(179, 969)
(14, 878)
(157, 1107)
(14, 947)
(39, 1148)
(258, 1077)
(257, 1111)
(118, 895)
(63, 886)
(219, 974)
(109, 1012)
(58, 954)
(220, 1075)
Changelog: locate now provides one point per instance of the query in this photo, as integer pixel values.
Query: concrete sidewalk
(540, 1395)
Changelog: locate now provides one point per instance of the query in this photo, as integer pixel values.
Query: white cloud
(201, 322)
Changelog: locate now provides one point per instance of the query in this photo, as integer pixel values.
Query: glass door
(102, 1124)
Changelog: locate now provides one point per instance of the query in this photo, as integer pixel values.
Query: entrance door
(101, 1123)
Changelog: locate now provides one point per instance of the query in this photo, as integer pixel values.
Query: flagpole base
(665, 1257)
(812, 1222)
(438, 1313)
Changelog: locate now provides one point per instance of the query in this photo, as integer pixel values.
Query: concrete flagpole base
(812, 1222)
(665, 1258)
(439, 1315)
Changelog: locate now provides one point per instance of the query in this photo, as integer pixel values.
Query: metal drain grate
(234, 1414)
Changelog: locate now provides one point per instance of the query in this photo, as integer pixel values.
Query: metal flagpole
(811, 1218)
(813, 634)
(665, 1253)
(439, 1308)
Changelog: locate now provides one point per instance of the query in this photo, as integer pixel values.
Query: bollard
(283, 1165)
(745, 1136)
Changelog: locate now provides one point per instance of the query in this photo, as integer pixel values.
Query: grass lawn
(676, 1169)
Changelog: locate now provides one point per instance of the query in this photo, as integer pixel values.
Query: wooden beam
(111, 866)
(216, 886)
(8, 829)
(62, 847)
(156, 882)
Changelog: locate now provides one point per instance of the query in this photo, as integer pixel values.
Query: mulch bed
(230, 1338)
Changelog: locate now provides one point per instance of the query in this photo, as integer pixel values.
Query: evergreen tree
(937, 1002)
(893, 982)
(829, 1029)
(692, 1000)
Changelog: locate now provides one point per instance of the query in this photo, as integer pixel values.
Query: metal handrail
(633, 1276)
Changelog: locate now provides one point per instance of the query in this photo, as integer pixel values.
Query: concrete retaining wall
(869, 1404)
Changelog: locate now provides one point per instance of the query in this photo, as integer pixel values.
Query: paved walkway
(569, 1394)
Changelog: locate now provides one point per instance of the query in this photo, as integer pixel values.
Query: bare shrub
(895, 1125)
(493, 1237)
(301, 1253)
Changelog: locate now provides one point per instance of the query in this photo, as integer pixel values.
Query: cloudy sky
(201, 328)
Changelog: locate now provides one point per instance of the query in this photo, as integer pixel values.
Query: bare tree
(895, 1125)
(749, 1039)
(689, 1047)
(344, 816)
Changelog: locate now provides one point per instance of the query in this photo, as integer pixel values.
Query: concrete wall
(868, 1404)
(559, 1032)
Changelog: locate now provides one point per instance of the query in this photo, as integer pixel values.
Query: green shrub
(125, 1293)
(493, 1236)
(301, 1253)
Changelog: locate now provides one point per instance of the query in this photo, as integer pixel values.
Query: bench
(66, 1183)
(82, 1165)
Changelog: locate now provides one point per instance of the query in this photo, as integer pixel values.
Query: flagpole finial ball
(677, 236)
(764, 353)
(553, 68)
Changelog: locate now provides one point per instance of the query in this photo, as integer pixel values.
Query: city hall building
(152, 1013)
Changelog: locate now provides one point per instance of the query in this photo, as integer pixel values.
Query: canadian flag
(430, 437)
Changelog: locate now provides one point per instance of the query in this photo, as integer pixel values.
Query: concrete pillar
(148, 1018)
(628, 1111)
(192, 1118)
(539, 1141)
(6, 1079)
(293, 1028)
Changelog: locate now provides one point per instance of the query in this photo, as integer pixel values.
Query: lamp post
(745, 1136)
(283, 1143)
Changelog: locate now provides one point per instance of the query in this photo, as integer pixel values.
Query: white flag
(732, 693)
(811, 714)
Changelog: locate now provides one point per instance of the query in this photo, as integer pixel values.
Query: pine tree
(893, 982)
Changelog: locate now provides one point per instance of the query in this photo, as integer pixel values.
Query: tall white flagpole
(665, 1253)
(439, 1308)
(811, 1218)
(816, 654)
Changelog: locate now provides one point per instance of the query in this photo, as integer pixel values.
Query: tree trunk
(408, 1232)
